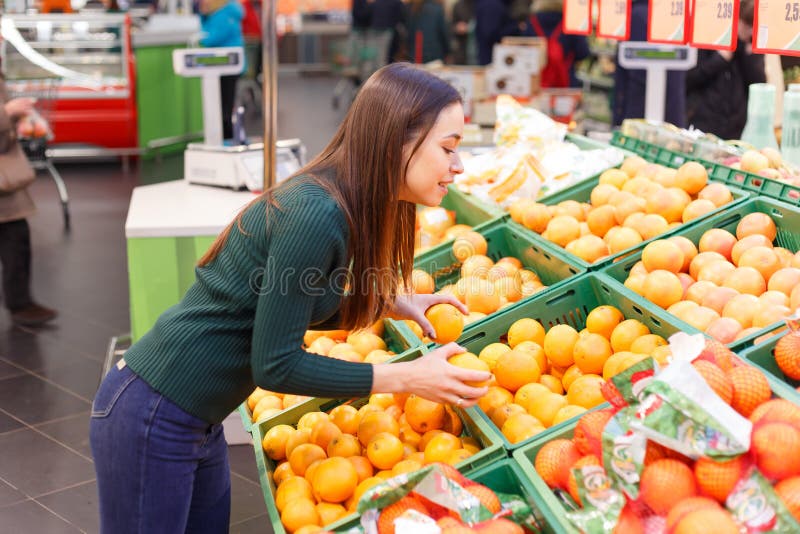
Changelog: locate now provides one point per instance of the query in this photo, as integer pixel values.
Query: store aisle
(48, 376)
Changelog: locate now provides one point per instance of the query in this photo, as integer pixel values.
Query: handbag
(15, 171)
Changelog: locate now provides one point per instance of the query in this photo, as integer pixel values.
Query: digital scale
(656, 59)
(212, 162)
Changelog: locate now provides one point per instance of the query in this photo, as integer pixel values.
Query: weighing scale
(656, 59)
(212, 162)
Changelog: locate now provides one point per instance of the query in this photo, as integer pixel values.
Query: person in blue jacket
(630, 85)
(492, 22)
(221, 23)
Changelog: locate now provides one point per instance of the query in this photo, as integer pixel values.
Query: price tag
(776, 28)
(667, 21)
(613, 20)
(714, 24)
(578, 17)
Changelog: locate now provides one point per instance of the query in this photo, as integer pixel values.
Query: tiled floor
(48, 376)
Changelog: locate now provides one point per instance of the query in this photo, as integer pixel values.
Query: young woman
(321, 250)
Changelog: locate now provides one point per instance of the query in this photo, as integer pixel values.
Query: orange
(393, 511)
(590, 353)
(528, 393)
(750, 389)
(774, 448)
(440, 446)
(692, 177)
(562, 229)
(535, 217)
(266, 406)
(323, 433)
(255, 396)
(447, 321)
(362, 466)
(716, 379)
(293, 487)
(559, 342)
(521, 426)
(572, 482)
(518, 207)
(685, 506)
(776, 410)
(374, 423)
(304, 455)
(666, 482)
(406, 466)
(364, 342)
(663, 288)
(622, 238)
(468, 244)
(310, 419)
(717, 240)
(501, 414)
(602, 193)
(784, 280)
(757, 223)
(330, 512)
(516, 368)
(585, 391)
(299, 513)
(572, 373)
(716, 478)
(603, 319)
(589, 248)
(662, 254)
(703, 259)
(282, 472)
(495, 396)
(344, 445)
(714, 520)
(589, 430)
(476, 265)
(553, 461)
(424, 415)
(486, 496)
(601, 219)
(297, 438)
(335, 480)
(568, 412)
(696, 209)
(468, 360)
(687, 247)
(545, 407)
(535, 350)
(480, 296)
(525, 329)
(626, 332)
(647, 343)
(426, 437)
(789, 492)
(552, 383)
(384, 450)
(615, 177)
(491, 352)
(274, 442)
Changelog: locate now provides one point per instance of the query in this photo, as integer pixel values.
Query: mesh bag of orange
(439, 497)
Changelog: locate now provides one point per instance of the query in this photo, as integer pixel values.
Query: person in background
(361, 14)
(717, 87)
(331, 247)
(15, 207)
(630, 85)
(389, 15)
(427, 39)
(463, 31)
(493, 21)
(546, 20)
(221, 23)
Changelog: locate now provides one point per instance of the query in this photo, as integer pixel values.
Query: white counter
(181, 209)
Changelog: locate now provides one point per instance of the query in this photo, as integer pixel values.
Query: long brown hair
(363, 167)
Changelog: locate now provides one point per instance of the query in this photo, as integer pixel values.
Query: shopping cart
(354, 60)
(34, 143)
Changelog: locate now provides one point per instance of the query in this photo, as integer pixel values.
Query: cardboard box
(520, 54)
(514, 83)
(470, 82)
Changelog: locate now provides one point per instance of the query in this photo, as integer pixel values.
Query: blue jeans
(159, 469)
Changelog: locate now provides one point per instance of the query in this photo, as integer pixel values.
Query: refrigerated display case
(91, 57)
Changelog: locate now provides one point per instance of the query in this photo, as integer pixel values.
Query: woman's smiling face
(436, 161)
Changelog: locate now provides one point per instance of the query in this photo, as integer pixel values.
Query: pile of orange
(629, 205)
(542, 378)
(435, 225)
(329, 460)
(726, 285)
(691, 495)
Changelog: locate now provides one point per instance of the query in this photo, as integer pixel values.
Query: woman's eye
(448, 151)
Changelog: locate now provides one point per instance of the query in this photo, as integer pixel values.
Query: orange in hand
(447, 321)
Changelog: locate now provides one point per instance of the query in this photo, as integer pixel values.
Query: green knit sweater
(242, 322)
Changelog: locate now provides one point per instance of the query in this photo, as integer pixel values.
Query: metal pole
(269, 48)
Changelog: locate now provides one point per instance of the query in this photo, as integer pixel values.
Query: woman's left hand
(414, 306)
(19, 107)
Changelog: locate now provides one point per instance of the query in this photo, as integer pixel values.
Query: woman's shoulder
(306, 196)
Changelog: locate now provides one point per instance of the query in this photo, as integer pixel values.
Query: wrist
(389, 378)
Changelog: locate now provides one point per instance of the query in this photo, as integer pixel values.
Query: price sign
(668, 20)
(613, 20)
(776, 28)
(578, 17)
(715, 24)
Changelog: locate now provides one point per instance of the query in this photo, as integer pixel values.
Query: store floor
(48, 376)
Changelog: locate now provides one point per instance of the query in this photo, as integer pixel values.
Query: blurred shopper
(563, 50)
(361, 14)
(427, 39)
(389, 15)
(463, 31)
(493, 21)
(221, 22)
(630, 85)
(15, 206)
(279, 269)
(717, 88)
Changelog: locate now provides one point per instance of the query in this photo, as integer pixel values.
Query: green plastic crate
(503, 476)
(474, 425)
(718, 172)
(503, 239)
(787, 220)
(763, 357)
(399, 339)
(568, 304)
(582, 192)
(554, 506)
(469, 210)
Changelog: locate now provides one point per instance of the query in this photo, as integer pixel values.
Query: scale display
(647, 53)
(208, 62)
(212, 60)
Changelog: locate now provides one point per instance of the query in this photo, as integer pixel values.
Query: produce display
(628, 206)
(700, 446)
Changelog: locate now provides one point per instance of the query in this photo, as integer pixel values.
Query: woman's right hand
(19, 107)
(432, 377)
